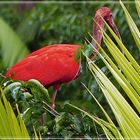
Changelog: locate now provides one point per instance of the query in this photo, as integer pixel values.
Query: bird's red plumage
(50, 65)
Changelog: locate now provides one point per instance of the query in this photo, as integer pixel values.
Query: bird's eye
(110, 15)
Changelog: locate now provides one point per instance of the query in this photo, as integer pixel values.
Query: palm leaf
(10, 127)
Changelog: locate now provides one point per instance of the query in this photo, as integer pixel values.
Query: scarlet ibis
(55, 64)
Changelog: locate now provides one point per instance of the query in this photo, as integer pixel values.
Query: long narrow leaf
(105, 125)
(22, 125)
(124, 83)
(137, 2)
(118, 104)
(105, 113)
(123, 63)
(12, 48)
(133, 28)
(124, 49)
(10, 127)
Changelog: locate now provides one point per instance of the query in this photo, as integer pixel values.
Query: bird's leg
(56, 88)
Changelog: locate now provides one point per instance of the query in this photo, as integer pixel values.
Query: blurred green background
(44, 23)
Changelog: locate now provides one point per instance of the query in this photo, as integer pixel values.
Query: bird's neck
(97, 26)
(97, 34)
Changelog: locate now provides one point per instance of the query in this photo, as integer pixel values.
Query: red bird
(55, 64)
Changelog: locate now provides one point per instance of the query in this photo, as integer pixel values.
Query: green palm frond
(133, 28)
(120, 107)
(10, 126)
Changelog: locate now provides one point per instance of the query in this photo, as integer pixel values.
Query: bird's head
(106, 14)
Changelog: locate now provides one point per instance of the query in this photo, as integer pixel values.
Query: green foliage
(34, 105)
(38, 90)
(11, 127)
(12, 48)
(28, 28)
(54, 23)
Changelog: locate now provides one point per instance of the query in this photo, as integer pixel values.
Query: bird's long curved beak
(114, 27)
